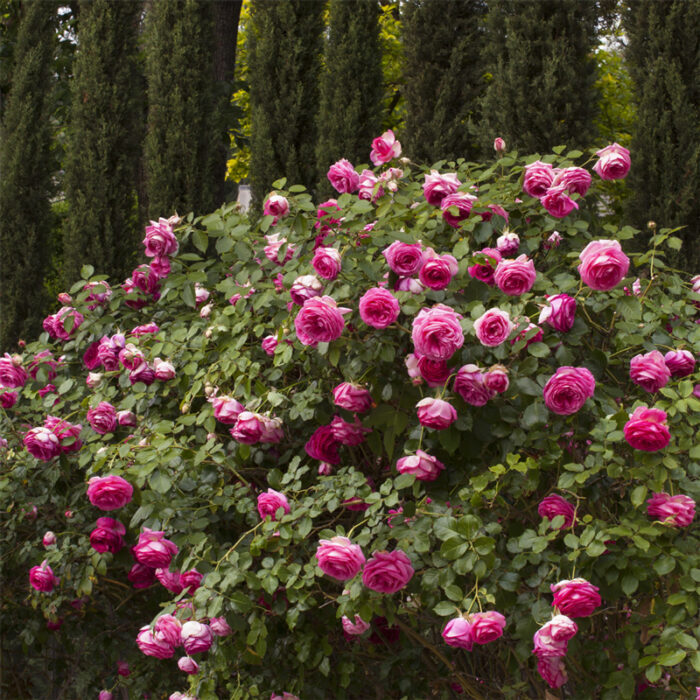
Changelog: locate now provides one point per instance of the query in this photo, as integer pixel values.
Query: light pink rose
(277, 206)
(553, 240)
(304, 288)
(352, 397)
(94, 379)
(412, 366)
(649, 371)
(108, 536)
(423, 466)
(575, 598)
(568, 389)
(435, 413)
(507, 243)
(613, 162)
(343, 177)
(487, 626)
(405, 259)
(49, 539)
(348, 433)
(436, 332)
(226, 409)
(195, 636)
(275, 242)
(326, 262)
(188, 665)
(437, 271)
(458, 633)
(385, 148)
(603, 265)
(554, 505)
(496, 379)
(41, 578)
(102, 418)
(320, 320)
(409, 284)
(160, 240)
(552, 638)
(553, 671)
(457, 207)
(268, 344)
(435, 372)
(153, 550)
(368, 189)
(339, 558)
(126, 418)
(560, 313)
(109, 492)
(150, 645)
(470, 384)
(105, 695)
(493, 327)
(269, 503)
(379, 308)
(437, 186)
(680, 363)
(647, 429)
(163, 370)
(167, 629)
(676, 511)
(557, 202)
(322, 445)
(515, 277)
(220, 627)
(538, 178)
(387, 572)
(576, 180)
(359, 626)
(484, 272)
(499, 145)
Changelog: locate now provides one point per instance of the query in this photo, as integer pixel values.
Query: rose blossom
(554, 505)
(226, 409)
(195, 636)
(436, 332)
(530, 334)
(188, 665)
(284, 696)
(274, 245)
(320, 320)
(150, 645)
(109, 492)
(496, 379)
(12, 374)
(493, 327)
(42, 444)
(322, 445)
(458, 633)
(551, 639)
(160, 240)
(484, 272)
(102, 418)
(305, 287)
(613, 162)
(437, 271)
(249, 428)
(348, 433)
(568, 389)
(163, 370)
(649, 371)
(41, 577)
(385, 148)
(552, 670)
(409, 284)
(470, 385)
(105, 695)
(499, 145)
(553, 240)
(343, 177)
(647, 429)
(220, 627)
(66, 322)
(107, 536)
(269, 503)
(573, 179)
(538, 178)
(435, 372)
(387, 572)
(277, 206)
(379, 308)
(557, 203)
(560, 313)
(515, 277)
(575, 598)
(268, 344)
(326, 262)
(487, 626)
(368, 189)
(405, 259)
(126, 419)
(48, 539)
(154, 550)
(94, 379)
(435, 413)
(191, 580)
(603, 265)
(459, 201)
(437, 186)
(141, 576)
(680, 363)
(359, 626)
(352, 397)
(339, 558)
(170, 580)
(423, 466)
(412, 366)
(508, 243)
(677, 511)
(143, 373)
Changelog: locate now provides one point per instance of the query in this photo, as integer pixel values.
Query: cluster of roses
(67, 320)
(12, 376)
(652, 370)
(249, 428)
(55, 437)
(464, 631)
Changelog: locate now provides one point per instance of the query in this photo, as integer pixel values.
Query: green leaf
(629, 584)
(453, 548)
(664, 565)
(87, 271)
(200, 240)
(671, 658)
(534, 415)
(159, 482)
(638, 495)
(188, 295)
(443, 609)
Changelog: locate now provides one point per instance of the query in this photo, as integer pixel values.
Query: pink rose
(359, 626)
(339, 558)
(561, 312)
(42, 359)
(496, 379)
(436, 332)
(423, 466)
(554, 505)
(126, 418)
(226, 409)
(144, 330)
(268, 344)
(487, 626)
(102, 418)
(141, 576)
(42, 444)
(167, 628)
(269, 503)
(323, 446)
(499, 145)
(94, 379)
(405, 259)
(320, 320)
(343, 177)
(153, 550)
(680, 363)
(568, 389)
(575, 598)
(188, 665)
(130, 356)
(305, 287)
(8, 399)
(272, 250)
(191, 580)
(150, 645)
(170, 580)
(613, 162)
(457, 207)
(107, 536)
(387, 572)
(508, 243)
(557, 203)
(66, 322)
(123, 669)
(412, 366)
(435, 413)
(470, 385)
(379, 308)
(552, 638)
(49, 539)
(493, 327)
(163, 370)
(143, 373)
(576, 180)
(368, 189)
(160, 240)
(458, 633)
(67, 433)
(676, 511)
(603, 265)
(348, 433)
(553, 240)
(649, 371)
(538, 178)
(326, 262)
(552, 670)
(437, 186)
(105, 695)
(408, 284)
(220, 627)
(41, 578)
(484, 272)
(385, 148)
(249, 428)
(515, 277)
(277, 206)
(352, 397)
(437, 272)
(109, 492)
(435, 372)
(12, 374)
(530, 334)
(647, 429)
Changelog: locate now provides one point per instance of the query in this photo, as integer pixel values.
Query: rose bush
(240, 462)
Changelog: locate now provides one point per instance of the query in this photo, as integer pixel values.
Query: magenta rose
(348, 433)
(561, 312)
(435, 372)
(188, 665)
(170, 580)
(343, 177)
(508, 243)
(530, 334)
(493, 327)
(458, 633)
(352, 397)
(437, 272)
(650, 371)
(304, 288)
(269, 503)
(130, 356)
(67, 433)
(603, 265)
(553, 671)
(378, 307)
(168, 629)
(405, 259)
(275, 243)
(141, 576)
(457, 207)
(191, 580)
(435, 413)
(487, 626)
(42, 443)
(107, 536)
(387, 572)
(277, 206)
(436, 332)
(226, 409)
(102, 418)
(359, 626)
(680, 363)
(515, 277)
(554, 505)
(109, 492)
(647, 429)
(220, 627)
(249, 428)
(470, 384)
(150, 645)
(153, 550)
(163, 370)
(575, 598)
(437, 186)
(368, 189)
(42, 359)
(41, 578)
(613, 162)
(49, 539)
(484, 272)
(677, 511)
(496, 379)
(573, 179)
(66, 322)
(385, 148)
(320, 320)
(568, 389)
(143, 373)
(557, 202)
(323, 446)
(423, 466)
(551, 640)
(538, 178)
(126, 419)
(326, 262)
(160, 240)
(339, 558)
(268, 344)
(12, 374)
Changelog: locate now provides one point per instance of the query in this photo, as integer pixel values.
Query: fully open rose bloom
(437, 186)
(153, 550)
(276, 205)
(9, 398)
(649, 371)
(160, 240)
(102, 418)
(378, 307)
(108, 535)
(458, 633)
(552, 638)
(12, 374)
(352, 397)
(42, 443)
(496, 379)
(109, 492)
(320, 320)
(348, 433)
(508, 243)
(485, 272)
(576, 180)
(226, 409)
(368, 186)
(170, 580)
(435, 372)
(67, 433)
(575, 598)
(385, 148)
(677, 511)
(493, 327)
(405, 259)
(269, 503)
(323, 445)
(680, 363)
(423, 466)
(487, 626)
(538, 178)
(647, 429)
(613, 162)
(438, 270)
(150, 645)
(436, 332)
(456, 207)
(41, 577)
(560, 312)
(554, 505)
(603, 265)
(359, 626)
(343, 177)
(196, 636)
(557, 202)
(470, 384)
(568, 390)
(387, 572)
(515, 277)
(188, 665)
(339, 558)
(326, 262)
(435, 413)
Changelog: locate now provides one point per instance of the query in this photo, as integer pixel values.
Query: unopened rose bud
(499, 145)
(31, 513)
(126, 418)
(325, 469)
(68, 514)
(205, 312)
(22, 343)
(211, 436)
(185, 408)
(651, 225)
(94, 379)
(49, 539)
(65, 299)
(554, 239)
(208, 333)
(209, 390)
(17, 360)
(637, 287)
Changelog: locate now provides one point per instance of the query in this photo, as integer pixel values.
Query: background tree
(542, 89)
(285, 64)
(26, 166)
(351, 85)
(443, 77)
(664, 59)
(104, 141)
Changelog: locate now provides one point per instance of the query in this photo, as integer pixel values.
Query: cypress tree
(351, 85)
(284, 70)
(26, 166)
(444, 70)
(664, 60)
(104, 141)
(542, 92)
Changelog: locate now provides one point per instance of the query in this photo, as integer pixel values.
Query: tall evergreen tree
(542, 92)
(105, 137)
(26, 167)
(444, 80)
(664, 60)
(351, 85)
(284, 71)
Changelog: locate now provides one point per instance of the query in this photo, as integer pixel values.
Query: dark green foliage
(444, 44)
(542, 88)
(284, 71)
(351, 86)
(104, 141)
(664, 60)
(25, 187)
